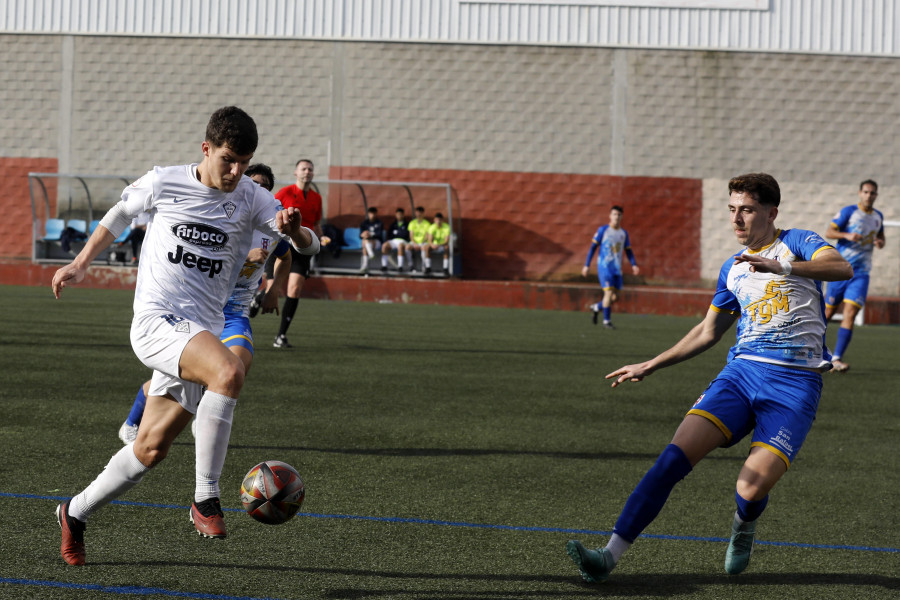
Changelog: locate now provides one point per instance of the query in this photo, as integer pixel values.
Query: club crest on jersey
(183, 328)
(201, 234)
(229, 208)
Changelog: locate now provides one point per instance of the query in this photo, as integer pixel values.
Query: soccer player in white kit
(202, 222)
(237, 334)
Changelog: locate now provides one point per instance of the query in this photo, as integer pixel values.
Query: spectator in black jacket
(397, 241)
(371, 231)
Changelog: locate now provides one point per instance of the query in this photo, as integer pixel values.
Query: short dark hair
(400, 210)
(265, 171)
(438, 215)
(420, 209)
(297, 164)
(372, 209)
(762, 187)
(230, 126)
(618, 208)
(870, 182)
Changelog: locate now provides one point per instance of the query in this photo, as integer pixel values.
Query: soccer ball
(272, 492)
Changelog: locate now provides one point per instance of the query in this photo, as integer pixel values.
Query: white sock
(617, 546)
(446, 263)
(427, 262)
(214, 416)
(384, 260)
(400, 262)
(122, 472)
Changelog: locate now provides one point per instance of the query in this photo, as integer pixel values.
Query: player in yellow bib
(418, 234)
(439, 242)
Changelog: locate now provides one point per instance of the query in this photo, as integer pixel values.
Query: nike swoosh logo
(177, 200)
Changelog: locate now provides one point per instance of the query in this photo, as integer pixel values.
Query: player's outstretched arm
(289, 222)
(702, 337)
(74, 272)
(827, 265)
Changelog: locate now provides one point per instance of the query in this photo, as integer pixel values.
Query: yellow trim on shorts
(610, 288)
(856, 304)
(231, 337)
(712, 419)
(774, 451)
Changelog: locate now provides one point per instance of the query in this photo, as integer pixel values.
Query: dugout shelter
(78, 201)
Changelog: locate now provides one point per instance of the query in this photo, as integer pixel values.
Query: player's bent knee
(151, 455)
(229, 377)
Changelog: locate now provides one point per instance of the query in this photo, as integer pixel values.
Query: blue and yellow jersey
(611, 242)
(782, 318)
(853, 219)
(251, 274)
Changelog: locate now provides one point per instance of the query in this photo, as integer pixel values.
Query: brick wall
(15, 204)
(538, 226)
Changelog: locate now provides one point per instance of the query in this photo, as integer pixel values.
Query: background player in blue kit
(612, 240)
(237, 334)
(770, 385)
(859, 229)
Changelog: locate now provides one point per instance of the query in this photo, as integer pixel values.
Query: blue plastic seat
(352, 241)
(93, 225)
(53, 229)
(79, 225)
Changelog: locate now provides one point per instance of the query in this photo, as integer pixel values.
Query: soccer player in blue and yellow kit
(612, 240)
(770, 386)
(859, 229)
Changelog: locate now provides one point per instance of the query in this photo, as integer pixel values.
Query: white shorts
(395, 243)
(158, 339)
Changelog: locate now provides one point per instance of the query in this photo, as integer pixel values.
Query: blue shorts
(853, 290)
(609, 280)
(237, 332)
(778, 404)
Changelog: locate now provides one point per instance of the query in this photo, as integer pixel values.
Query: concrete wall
(561, 119)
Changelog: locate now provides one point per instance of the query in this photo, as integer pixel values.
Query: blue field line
(134, 590)
(528, 528)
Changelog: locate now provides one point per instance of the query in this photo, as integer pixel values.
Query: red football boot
(72, 547)
(207, 517)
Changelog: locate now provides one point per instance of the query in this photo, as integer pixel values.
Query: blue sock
(843, 340)
(137, 409)
(651, 493)
(749, 510)
(607, 313)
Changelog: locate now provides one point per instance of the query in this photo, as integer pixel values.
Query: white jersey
(197, 241)
(250, 275)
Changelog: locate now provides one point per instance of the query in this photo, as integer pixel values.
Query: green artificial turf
(448, 453)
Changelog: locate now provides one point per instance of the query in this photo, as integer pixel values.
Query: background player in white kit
(202, 222)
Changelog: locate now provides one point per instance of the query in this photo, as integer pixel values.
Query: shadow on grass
(667, 584)
(647, 585)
